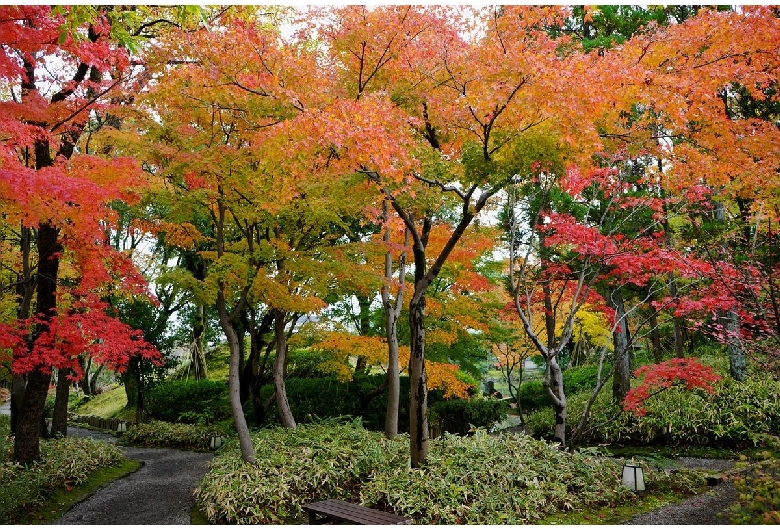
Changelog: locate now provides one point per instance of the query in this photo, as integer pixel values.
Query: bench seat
(334, 510)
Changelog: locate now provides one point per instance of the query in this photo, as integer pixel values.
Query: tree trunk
(655, 336)
(130, 380)
(418, 405)
(28, 428)
(737, 362)
(244, 439)
(18, 386)
(197, 354)
(285, 414)
(393, 375)
(679, 340)
(621, 381)
(59, 421)
(392, 312)
(554, 383)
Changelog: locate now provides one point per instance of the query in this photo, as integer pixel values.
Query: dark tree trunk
(655, 336)
(130, 379)
(621, 381)
(59, 421)
(28, 428)
(418, 406)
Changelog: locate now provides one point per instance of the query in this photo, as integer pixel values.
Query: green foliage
(329, 398)
(532, 396)
(461, 416)
(759, 494)
(202, 402)
(176, 435)
(738, 415)
(65, 462)
(480, 479)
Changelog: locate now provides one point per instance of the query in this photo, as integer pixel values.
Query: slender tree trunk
(679, 339)
(392, 312)
(59, 421)
(737, 363)
(244, 439)
(393, 375)
(418, 406)
(554, 383)
(655, 334)
(197, 353)
(285, 414)
(621, 381)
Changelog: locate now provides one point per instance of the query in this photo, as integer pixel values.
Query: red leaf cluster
(689, 373)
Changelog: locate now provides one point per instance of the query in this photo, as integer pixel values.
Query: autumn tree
(58, 66)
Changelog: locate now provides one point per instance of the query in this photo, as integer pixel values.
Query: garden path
(160, 492)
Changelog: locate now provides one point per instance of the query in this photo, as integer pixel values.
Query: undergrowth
(480, 479)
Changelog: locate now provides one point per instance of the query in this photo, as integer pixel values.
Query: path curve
(160, 492)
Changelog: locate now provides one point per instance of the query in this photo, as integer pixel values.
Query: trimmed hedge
(327, 397)
(196, 402)
(460, 416)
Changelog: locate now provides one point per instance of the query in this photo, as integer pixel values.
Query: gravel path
(698, 510)
(160, 492)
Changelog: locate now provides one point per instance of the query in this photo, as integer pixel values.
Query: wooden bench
(334, 510)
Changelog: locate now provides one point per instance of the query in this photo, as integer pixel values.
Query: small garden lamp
(121, 427)
(216, 442)
(634, 477)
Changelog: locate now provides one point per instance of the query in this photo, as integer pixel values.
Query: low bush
(738, 415)
(758, 490)
(327, 397)
(175, 435)
(64, 463)
(482, 479)
(532, 396)
(201, 402)
(461, 416)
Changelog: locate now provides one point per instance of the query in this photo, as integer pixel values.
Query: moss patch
(64, 499)
(109, 404)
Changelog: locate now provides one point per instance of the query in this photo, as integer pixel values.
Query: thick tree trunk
(285, 414)
(18, 386)
(621, 381)
(28, 428)
(130, 380)
(418, 406)
(244, 439)
(59, 421)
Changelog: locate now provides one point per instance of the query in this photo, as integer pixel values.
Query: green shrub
(460, 416)
(202, 402)
(65, 462)
(738, 415)
(176, 435)
(758, 491)
(532, 396)
(482, 479)
(330, 398)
